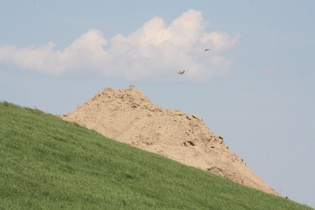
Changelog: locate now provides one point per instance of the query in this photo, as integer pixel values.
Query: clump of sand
(128, 116)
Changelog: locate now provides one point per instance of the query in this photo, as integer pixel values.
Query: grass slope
(47, 163)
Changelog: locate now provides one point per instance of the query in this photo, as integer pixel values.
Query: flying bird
(206, 49)
(181, 72)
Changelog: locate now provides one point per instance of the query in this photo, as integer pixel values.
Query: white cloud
(154, 51)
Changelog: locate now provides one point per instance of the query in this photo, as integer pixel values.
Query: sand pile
(128, 116)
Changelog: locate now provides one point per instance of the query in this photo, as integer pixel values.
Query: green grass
(47, 163)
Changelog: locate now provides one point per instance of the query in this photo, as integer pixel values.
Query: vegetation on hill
(48, 163)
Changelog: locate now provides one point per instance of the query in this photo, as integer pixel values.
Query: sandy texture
(128, 116)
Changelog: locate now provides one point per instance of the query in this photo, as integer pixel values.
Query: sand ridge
(128, 116)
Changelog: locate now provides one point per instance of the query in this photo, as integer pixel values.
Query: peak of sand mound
(128, 116)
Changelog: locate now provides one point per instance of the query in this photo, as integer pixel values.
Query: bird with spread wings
(181, 72)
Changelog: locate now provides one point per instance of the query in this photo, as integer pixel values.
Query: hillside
(48, 163)
(128, 116)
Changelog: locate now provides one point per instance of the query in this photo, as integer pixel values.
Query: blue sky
(254, 87)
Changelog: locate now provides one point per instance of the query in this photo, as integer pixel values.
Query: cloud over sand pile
(154, 51)
(128, 116)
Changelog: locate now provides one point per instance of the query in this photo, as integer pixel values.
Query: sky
(255, 86)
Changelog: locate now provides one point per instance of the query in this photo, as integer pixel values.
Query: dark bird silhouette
(206, 49)
(181, 72)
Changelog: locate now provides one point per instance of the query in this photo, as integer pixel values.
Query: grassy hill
(47, 163)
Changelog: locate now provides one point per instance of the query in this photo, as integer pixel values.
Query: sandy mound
(128, 116)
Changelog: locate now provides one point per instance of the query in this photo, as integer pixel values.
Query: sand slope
(128, 116)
